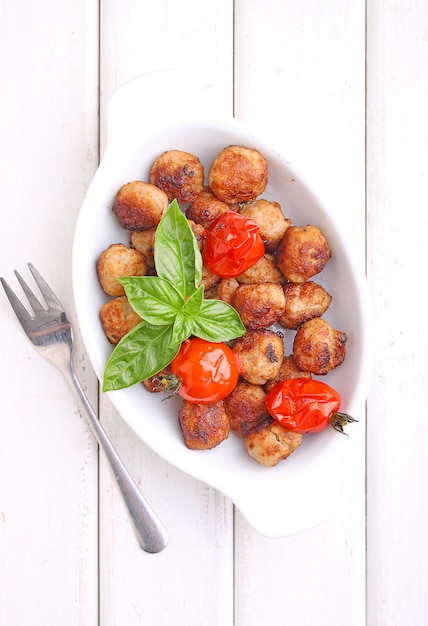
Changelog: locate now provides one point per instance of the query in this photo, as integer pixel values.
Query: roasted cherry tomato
(205, 371)
(305, 405)
(232, 244)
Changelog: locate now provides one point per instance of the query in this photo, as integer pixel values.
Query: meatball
(303, 301)
(209, 279)
(226, 289)
(287, 370)
(302, 253)
(319, 348)
(271, 220)
(115, 261)
(271, 443)
(259, 305)
(259, 354)
(206, 208)
(118, 318)
(263, 271)
(139, 205)
(238, 174)
(204, 426)
(144, 242)
(245, 407)
(198, 230)
(179, 174)
(211, 293)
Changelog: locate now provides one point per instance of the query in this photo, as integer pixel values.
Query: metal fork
(51, 334)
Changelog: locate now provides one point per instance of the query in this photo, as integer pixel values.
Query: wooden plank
(300, 80)
(195, 572)
(190, 37)
(397, 165)
(197, 565)
(48, 153)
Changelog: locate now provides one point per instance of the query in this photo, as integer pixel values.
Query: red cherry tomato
(207, 372)
(305, 405)
(232, 245)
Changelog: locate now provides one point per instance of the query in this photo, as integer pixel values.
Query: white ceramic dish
(301, 492)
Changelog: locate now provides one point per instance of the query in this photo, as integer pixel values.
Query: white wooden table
(342, 88)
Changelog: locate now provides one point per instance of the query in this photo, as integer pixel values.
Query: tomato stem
(339, 420)
(167, 382)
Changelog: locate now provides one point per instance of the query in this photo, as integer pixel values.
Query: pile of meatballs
(274, 296)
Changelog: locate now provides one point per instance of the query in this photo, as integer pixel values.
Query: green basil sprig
(172, 306)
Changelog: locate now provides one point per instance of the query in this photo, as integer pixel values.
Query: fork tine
(20, 311)
(51, 299)
(32, 299)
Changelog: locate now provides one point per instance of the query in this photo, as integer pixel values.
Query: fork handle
(151, 533)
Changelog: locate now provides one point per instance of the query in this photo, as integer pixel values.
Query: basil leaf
(143, 352)
(182, 329)
(193, 304)
(177, 256)
(183, 324)
(217, 321)
(172, 307)
(154, 299)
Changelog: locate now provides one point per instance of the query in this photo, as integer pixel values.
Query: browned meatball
(263, 271)
(271, 443)
(180, 174)
(198, 230)
(260, 305)
(139, 205)
(211, 293)
(204, 426)
(319, 348)
(209, 279)
(259, 354)
(226, 289)
(118, 318)
(206, 208)
(238, 174)
(245, 407)
(144, 242)
(303, 301)
(302, 253)
(116, 261)
(271, 220)
(287, 370)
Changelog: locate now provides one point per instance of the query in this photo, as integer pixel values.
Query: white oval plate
(299, 493)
